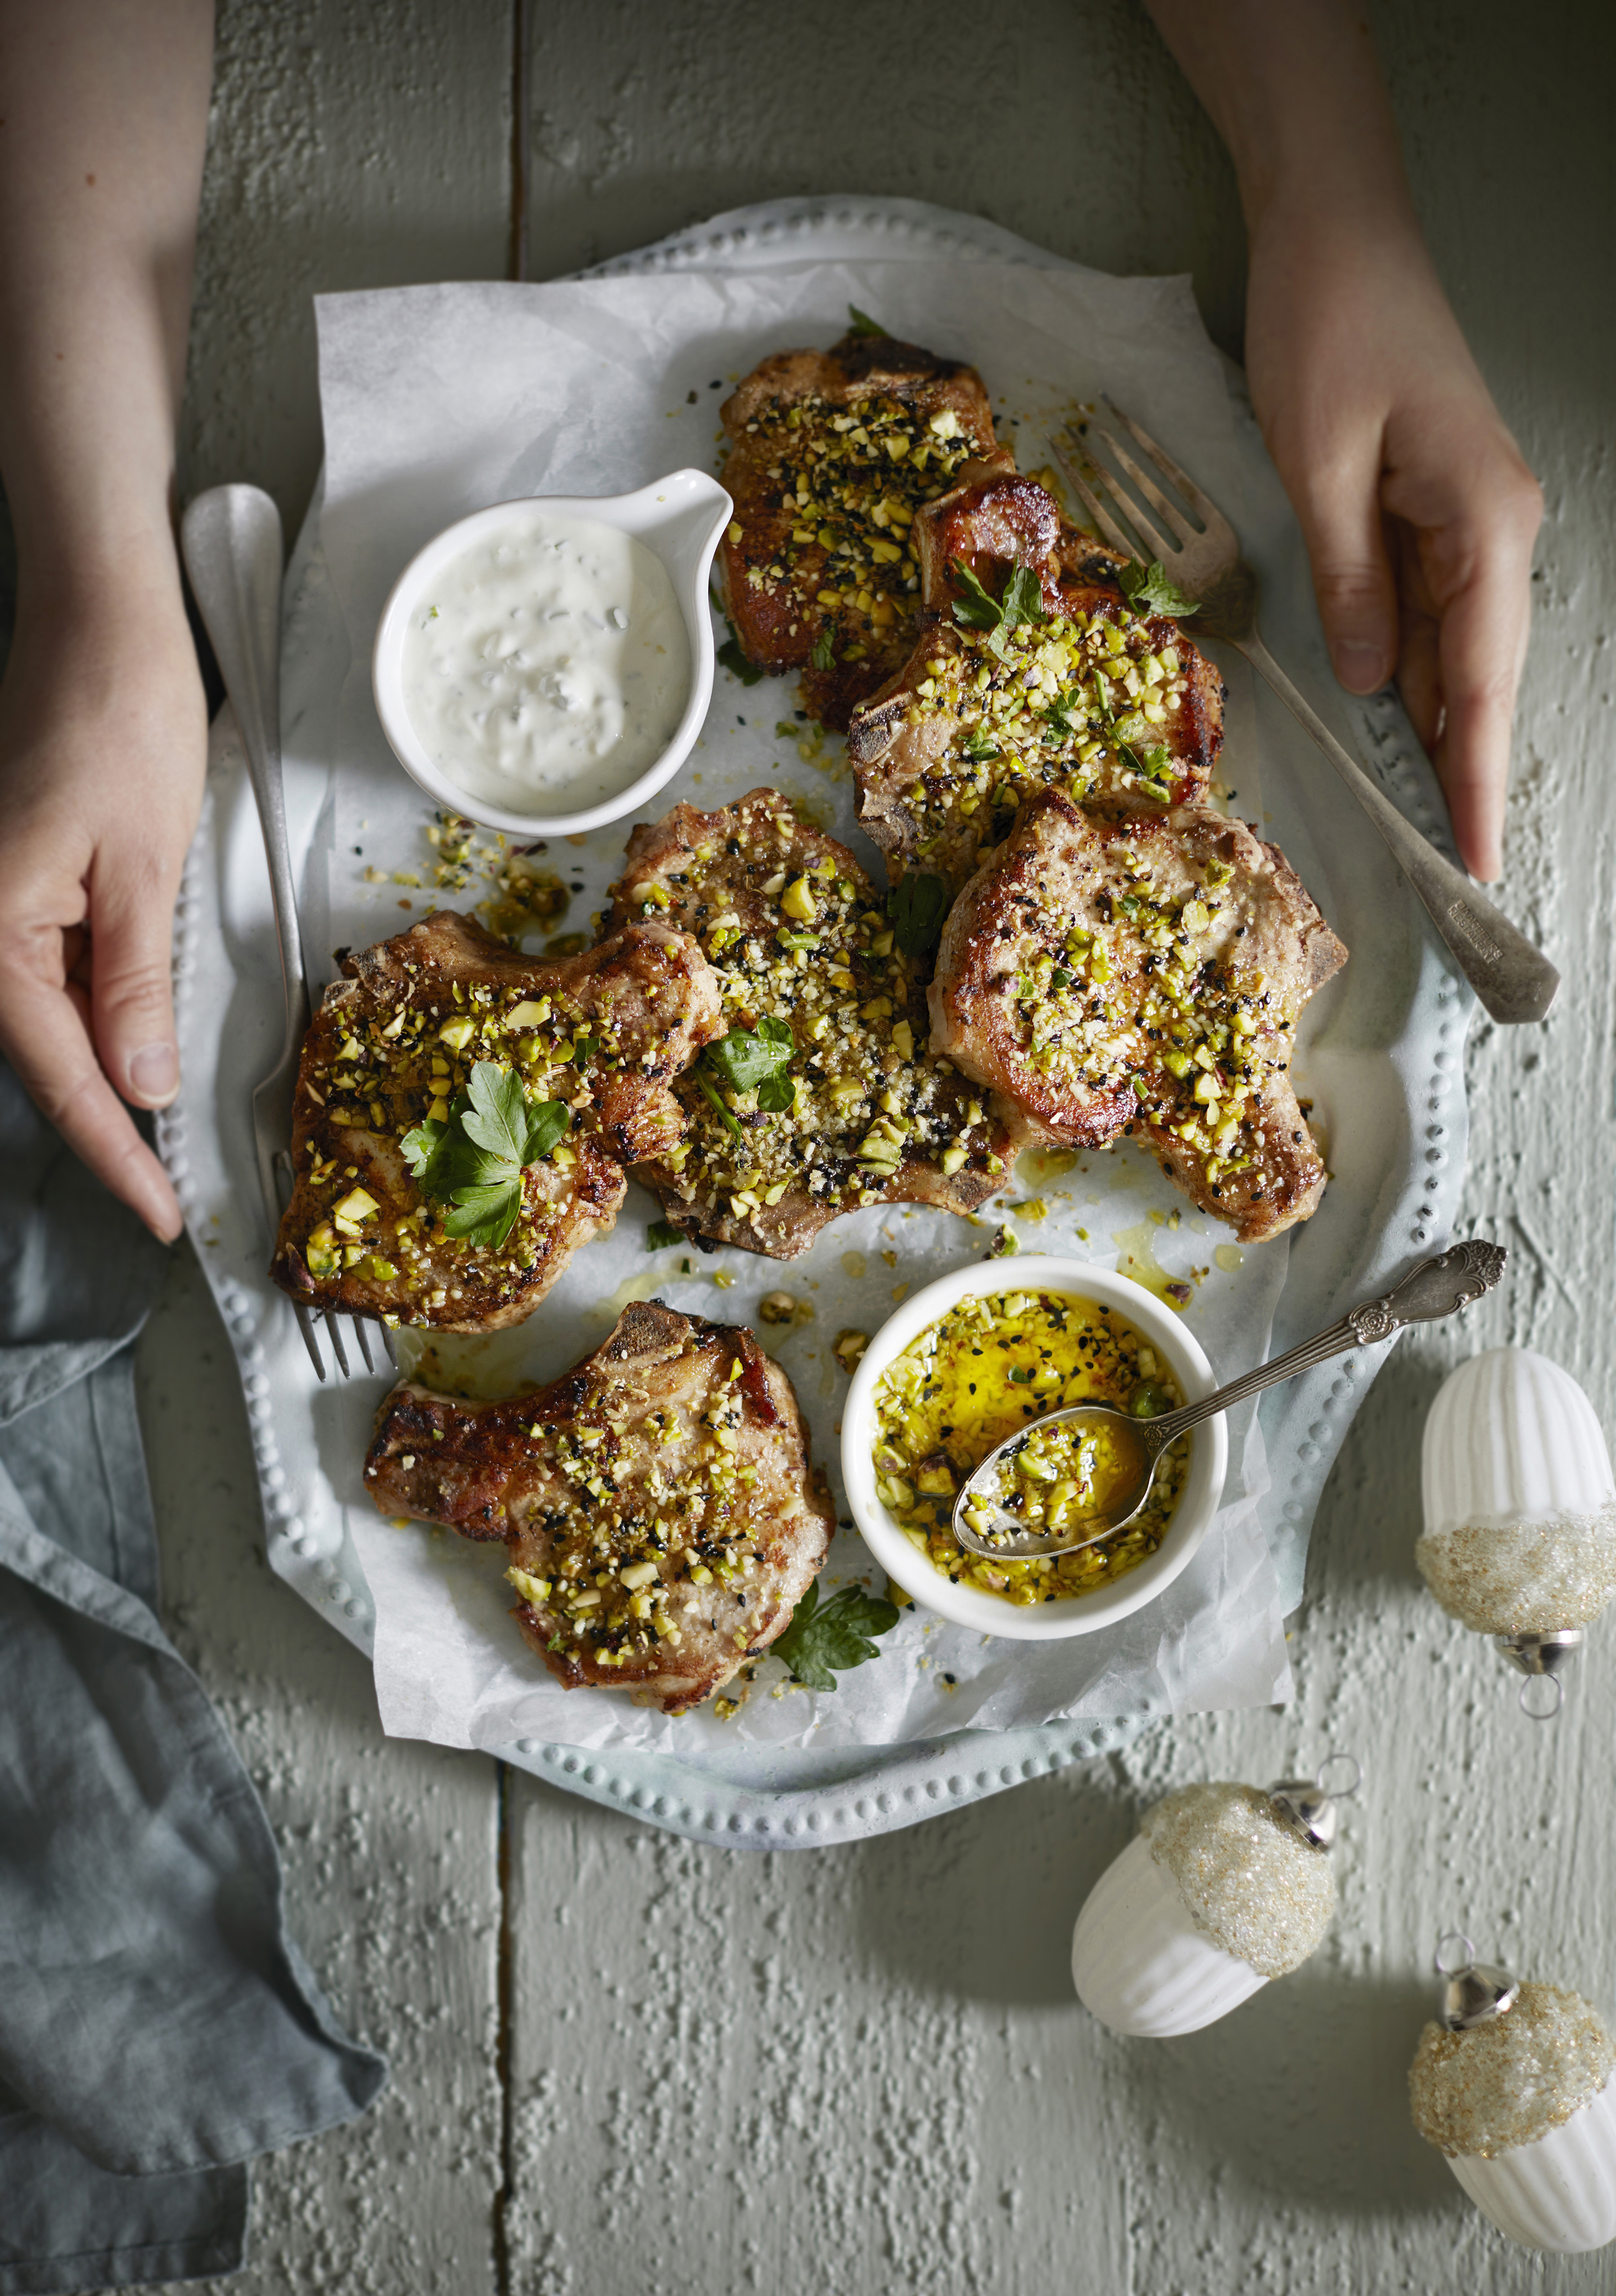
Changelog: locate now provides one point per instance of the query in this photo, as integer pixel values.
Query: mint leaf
(859, 322)
(981, 747)
(745, 1059)
(977, 610)
(824, 656)
(1023, 600)
(1066, 716)
(775, 1095)
(1148, 589)
(662, 1233)
(821, 1640)
(735, 661)
(917, 909)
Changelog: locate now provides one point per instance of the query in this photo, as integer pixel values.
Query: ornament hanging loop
(1476, 1991)
(1541, 1698)
(1541, 1657)
(1308, 1804)
(1338, 1763)
(1463, 1959)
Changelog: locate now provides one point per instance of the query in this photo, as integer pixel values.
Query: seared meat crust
(605, 1031)
(1115, 970)
(672, 1464)
(832, 452)
(1084, 700)
(797, 933)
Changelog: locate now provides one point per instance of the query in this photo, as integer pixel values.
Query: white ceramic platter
(1389, 1066)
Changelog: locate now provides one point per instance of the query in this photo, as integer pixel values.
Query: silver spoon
(1434, 1289)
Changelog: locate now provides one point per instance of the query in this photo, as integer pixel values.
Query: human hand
(103, 748)
(1418, 511)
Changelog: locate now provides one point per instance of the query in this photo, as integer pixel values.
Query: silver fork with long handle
(231, 536)
(1513, 980)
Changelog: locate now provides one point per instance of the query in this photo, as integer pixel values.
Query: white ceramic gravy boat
(680, 519)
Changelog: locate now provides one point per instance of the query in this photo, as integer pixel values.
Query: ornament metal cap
(1474, 1992)
(1539, 1655)
(1308, 1805)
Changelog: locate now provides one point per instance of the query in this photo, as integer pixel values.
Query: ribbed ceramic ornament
(1520, 1537)
(1521, 2100)
(1223, 1887)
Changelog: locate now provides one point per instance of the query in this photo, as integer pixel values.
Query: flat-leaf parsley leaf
(474, 1160)
(822, 1639)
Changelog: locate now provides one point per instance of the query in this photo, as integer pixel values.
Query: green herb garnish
(820, 1640)
(751, 1061)
(823, 655)
(662, 1235)
(1149, 587)
(978, 610)
(917, 909)
(859, 322)
(475, 1160)
(735, 661)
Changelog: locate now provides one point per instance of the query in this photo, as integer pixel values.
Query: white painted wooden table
(624, 2062)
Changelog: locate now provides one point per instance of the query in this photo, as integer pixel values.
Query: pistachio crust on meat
(1114, 971)
(394, 1044)
(798, 938)
(1087, 696)
(662, 1516)
(832, 455)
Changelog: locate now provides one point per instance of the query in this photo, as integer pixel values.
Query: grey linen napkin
(158, 2026)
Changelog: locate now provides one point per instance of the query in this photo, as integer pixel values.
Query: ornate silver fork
(1200, 550)
(231, 540)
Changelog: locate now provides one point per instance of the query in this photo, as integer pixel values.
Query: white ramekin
(680, 518)
(1076, 1614)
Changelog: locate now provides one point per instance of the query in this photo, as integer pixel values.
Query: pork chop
(1111, 970)
(832, 453)
(396, 1045)
(661, 1510)
(860, 1112)
(1076, 691)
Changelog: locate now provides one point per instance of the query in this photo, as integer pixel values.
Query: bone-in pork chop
(661, 1510)
(391, 1056)
(832, 455)
(854, 1111)
(1115, 970)
(1051, 680)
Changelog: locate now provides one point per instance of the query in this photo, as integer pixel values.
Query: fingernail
(154, 1073)
(1361, 668)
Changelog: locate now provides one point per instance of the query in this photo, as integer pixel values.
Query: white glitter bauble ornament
(1223, 1888)
(1520, 1538)
(1514, 2085)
